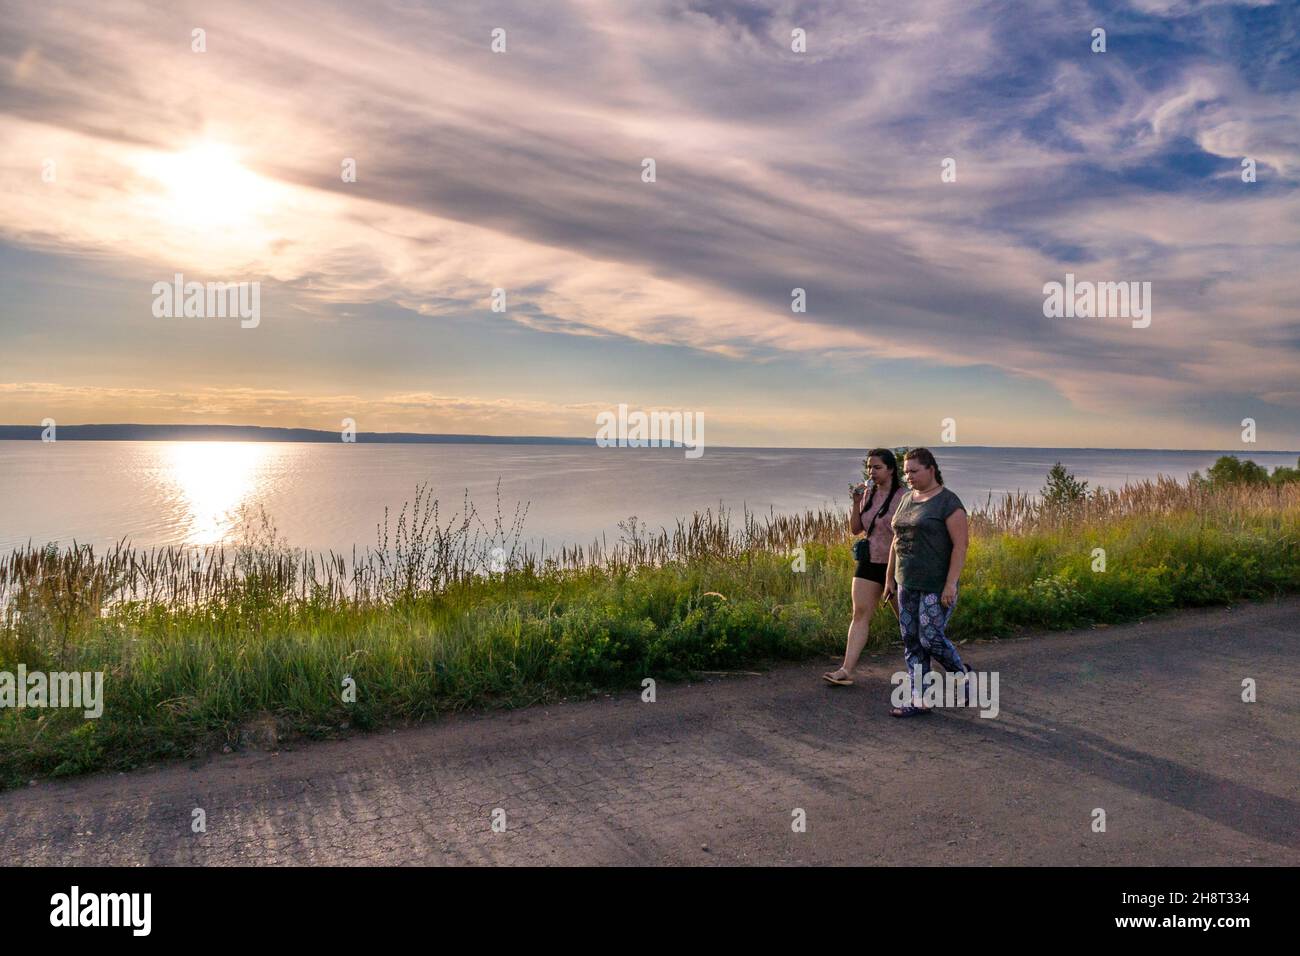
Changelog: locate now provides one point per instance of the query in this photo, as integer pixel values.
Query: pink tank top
(882, 535)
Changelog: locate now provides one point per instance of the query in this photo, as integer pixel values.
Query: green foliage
(1230, 470)
(1282, 475)
(1063, 488)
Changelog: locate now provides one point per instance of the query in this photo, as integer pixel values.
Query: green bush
(1229, 470)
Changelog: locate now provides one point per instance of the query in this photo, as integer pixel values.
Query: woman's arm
(890, 584)
(855, 517)
(959, 531)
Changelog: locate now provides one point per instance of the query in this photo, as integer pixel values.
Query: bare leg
(866, 597)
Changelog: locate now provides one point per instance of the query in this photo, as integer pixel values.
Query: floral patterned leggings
(921, 620)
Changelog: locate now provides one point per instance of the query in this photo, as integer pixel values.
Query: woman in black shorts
(873, 506)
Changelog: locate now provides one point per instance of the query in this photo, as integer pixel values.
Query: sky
(133, 149)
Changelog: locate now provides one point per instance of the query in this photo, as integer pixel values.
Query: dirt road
(1145, 722)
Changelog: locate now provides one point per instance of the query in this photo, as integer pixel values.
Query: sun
(205, 186)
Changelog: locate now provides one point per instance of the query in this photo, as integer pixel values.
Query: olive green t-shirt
(922, 544)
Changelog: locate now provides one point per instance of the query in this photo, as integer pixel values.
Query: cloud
(522, 171)
(421, 412)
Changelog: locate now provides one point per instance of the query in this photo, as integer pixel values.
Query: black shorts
(872, 571)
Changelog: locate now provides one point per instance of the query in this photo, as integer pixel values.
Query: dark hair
(926, 459)
(889, 461)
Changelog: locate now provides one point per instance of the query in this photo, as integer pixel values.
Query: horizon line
(324, 436)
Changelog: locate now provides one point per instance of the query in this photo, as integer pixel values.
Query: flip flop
(908, 711)
(837, 681)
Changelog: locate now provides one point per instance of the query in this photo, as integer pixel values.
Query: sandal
(829, 678)
(909, 711)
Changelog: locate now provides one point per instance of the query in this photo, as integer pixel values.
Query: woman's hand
(949, 595)
(855, 515)
(891, 589)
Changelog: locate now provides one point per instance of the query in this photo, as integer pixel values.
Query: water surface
(323, 496)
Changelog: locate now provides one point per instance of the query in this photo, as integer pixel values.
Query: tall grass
(421, 557)
(447, 612)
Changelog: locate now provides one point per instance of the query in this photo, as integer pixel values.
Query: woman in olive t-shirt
(925, 561)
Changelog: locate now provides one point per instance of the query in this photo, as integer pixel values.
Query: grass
(448, 614)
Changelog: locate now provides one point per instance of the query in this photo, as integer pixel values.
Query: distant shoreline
(134, 432)
(263, 433)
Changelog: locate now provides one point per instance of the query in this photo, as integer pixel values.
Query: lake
(324, 496)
